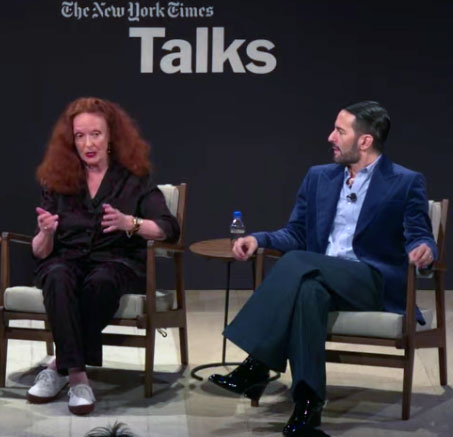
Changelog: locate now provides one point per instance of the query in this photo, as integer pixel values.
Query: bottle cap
(237, 214)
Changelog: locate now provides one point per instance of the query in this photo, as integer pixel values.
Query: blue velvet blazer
(393, 221)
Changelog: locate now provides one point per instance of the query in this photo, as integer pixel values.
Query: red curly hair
(62, 170)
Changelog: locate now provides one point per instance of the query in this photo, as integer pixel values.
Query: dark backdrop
(240, 140)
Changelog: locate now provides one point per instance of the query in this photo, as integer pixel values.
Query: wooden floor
(361, 401)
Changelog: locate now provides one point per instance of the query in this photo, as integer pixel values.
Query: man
(355, 226)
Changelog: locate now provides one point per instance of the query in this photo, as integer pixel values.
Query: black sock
(303, 393)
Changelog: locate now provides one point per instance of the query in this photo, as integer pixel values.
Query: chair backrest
(438, 212)
(175, 198)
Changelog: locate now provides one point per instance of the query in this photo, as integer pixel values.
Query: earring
(109, 148)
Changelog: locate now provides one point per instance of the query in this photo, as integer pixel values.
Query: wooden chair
(150, 312)
(389, 329)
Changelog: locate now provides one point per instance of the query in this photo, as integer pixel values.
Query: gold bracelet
(136, 223)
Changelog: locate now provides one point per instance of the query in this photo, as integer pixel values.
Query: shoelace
(80, 391)
(44, 376)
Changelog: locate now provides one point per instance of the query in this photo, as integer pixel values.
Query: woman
(99, 206)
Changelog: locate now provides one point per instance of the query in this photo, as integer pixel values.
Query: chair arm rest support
(410, 320)
(261, 253)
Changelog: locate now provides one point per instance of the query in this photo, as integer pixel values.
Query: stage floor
(362, 401)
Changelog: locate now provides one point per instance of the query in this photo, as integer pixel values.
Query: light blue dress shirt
(348, 209)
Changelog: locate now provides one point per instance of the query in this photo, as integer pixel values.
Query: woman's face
(91, 138)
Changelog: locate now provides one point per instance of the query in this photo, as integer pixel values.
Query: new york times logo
(133, 11)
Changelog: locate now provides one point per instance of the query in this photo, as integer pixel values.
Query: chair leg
(183, 345)
(441, 325)
(443, 366)
(49, 344)
(3, 357)
(3, 348)
(407, 383)
(149, 361)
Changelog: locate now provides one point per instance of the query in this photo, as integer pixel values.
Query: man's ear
(365, 142)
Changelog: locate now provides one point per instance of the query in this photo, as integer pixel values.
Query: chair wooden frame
(150, 321)
(411, 339)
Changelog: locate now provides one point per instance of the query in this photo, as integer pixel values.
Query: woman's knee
(59, 275)
(111, 278)
(101, 285)
(59, 283)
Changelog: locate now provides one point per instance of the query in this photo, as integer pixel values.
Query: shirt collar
(367, 170)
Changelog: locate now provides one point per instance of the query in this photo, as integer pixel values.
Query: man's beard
(349, 157)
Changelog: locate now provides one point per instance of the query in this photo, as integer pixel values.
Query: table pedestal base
(196, 369)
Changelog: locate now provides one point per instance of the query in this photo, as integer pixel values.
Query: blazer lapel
(328, 191)
(379, 189)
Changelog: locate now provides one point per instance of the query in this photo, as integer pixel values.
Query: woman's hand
(42, 244)
(47, 222)
(114, 220)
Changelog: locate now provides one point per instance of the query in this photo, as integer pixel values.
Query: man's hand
(421, 256)
(244, 248)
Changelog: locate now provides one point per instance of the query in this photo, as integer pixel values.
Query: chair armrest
(17, 238)
(6, 238)
(172, 247)
(438, 267)
(273, 253)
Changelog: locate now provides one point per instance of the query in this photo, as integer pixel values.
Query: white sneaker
(48, 384)
(81, 399)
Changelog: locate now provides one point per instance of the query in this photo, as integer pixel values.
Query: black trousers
(81, 298)
(286, 317)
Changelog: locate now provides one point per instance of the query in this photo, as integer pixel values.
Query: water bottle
(237, 227)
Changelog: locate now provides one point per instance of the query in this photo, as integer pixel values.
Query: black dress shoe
(249, 378)
(311, 432)
(306, 416)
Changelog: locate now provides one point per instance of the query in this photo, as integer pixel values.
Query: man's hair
(371, 118)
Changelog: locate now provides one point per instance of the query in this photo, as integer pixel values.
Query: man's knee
(290, 261)
(302, 258)
(295, 264)
(313, 293)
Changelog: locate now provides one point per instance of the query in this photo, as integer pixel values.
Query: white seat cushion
(381, 324)
(372, 324)
(29, 299)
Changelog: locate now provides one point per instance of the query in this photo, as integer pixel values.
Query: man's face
(344, 139)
